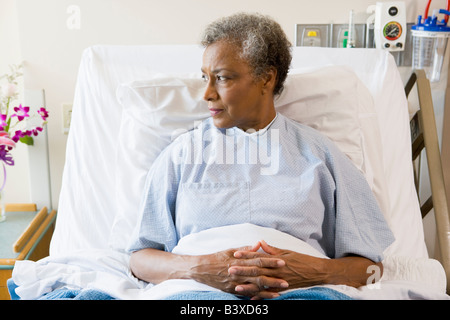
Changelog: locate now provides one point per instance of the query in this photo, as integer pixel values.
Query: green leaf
(27, 140)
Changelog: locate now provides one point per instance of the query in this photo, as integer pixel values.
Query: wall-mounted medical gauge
(390, 25)
(392, 30)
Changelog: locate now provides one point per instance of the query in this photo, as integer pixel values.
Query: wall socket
(66, 117)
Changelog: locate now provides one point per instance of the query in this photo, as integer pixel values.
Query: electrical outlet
(67, 116)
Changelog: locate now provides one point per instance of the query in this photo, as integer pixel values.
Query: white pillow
(154, 113)
(329, 99)
(336, 102)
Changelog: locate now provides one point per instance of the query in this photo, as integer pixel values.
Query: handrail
(439, 199)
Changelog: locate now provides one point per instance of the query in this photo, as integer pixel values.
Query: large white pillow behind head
(157, 110)
(327, 100)
(154, 113)
(336, 102)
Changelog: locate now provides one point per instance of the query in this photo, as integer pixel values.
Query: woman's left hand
(299, 270)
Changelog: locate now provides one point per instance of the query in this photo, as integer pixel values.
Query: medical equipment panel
(390, 26)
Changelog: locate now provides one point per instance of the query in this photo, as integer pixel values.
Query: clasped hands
(260, 275)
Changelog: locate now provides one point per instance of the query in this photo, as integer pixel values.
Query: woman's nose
(210, 92)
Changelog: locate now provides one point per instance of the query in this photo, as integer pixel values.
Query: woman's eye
(217, 78)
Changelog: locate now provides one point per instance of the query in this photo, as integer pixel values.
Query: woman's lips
(215, 112)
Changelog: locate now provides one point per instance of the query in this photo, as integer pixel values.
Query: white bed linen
(80, 249)
(86, 207)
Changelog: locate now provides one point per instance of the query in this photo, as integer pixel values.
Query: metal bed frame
(424, 136)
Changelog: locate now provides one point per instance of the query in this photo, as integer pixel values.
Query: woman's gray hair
(262, 41)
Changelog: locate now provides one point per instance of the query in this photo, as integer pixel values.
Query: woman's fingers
(257, 276)
(255, 273)
(253, 248)
(251, 251)
(269, 249)
(252, 290)
(260, 262)
(262, 287)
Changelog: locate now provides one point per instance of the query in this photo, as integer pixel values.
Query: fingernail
(284, 285)
(237, 254)
(238, 289)
(281, 263)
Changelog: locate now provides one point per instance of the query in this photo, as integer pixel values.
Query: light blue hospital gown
(286, 176)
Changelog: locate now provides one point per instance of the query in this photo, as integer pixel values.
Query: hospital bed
(131, 101)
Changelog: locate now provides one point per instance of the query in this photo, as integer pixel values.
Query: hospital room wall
(49, 36)
(17, 175)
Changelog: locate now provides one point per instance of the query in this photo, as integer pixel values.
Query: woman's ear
(269, 81)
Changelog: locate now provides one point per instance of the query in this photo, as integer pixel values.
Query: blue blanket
(63, 294)
(70, 294)
(316, 293)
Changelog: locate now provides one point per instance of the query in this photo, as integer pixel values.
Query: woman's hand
(219, 270)
(299, 270)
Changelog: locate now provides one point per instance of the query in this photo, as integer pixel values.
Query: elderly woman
(312, 192)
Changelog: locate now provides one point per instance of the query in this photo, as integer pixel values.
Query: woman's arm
(156, 266)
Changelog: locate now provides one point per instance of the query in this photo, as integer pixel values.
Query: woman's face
(235, 97)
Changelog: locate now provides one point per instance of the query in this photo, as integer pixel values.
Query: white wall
(37, 32)
(17, 187)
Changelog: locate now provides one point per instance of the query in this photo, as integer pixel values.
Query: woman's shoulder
(302, 131)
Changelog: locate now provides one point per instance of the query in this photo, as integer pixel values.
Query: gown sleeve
(360, 226)
(156, 223)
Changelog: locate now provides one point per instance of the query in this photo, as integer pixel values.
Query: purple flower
(43, 113)
(21, 112)
(36, 131)
(17, 135)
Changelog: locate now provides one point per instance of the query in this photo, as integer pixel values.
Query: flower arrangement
(13, 127)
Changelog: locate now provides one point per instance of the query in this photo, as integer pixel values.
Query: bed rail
(424, 136)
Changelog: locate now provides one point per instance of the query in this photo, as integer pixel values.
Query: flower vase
(2, 207)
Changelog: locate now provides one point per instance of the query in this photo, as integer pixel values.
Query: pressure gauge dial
(392, 30)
